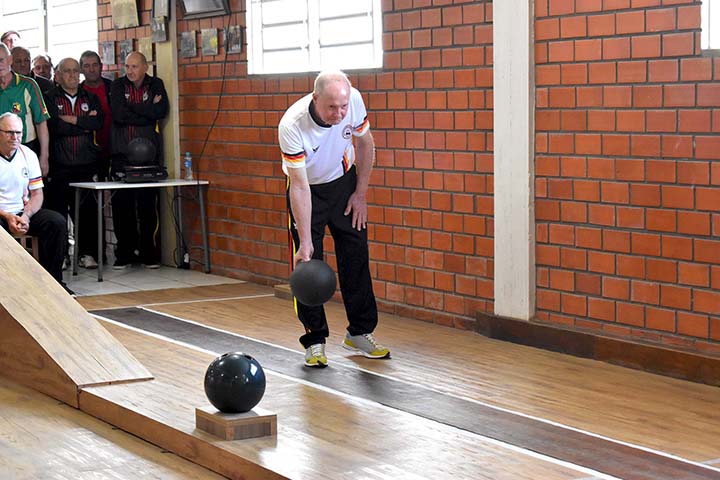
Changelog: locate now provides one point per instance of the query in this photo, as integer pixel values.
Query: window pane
(346, 30)
(705, 25)
(281, 11)
(335, 8)
(285, 61)
(287, 36)
(348, 56)
(714, 27)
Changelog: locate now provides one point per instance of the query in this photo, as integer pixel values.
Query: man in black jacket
(138, 102)
(75, 117)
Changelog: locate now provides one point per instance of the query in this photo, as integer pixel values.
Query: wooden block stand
(236, 426)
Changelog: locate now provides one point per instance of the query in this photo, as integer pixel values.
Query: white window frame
(710, 25)
(62, 28)
(307, 52)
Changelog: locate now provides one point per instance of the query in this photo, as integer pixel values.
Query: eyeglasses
(12, 133)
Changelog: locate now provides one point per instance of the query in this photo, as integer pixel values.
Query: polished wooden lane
(321, 433)
(658, 413)
(655, 412)
(532, 434)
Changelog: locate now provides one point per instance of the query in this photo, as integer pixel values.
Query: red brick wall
(627, 150)
(431, 196)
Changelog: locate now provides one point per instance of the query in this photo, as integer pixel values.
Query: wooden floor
(326, 434)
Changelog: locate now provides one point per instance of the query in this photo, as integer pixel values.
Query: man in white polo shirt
(328, 179)
(21, 198)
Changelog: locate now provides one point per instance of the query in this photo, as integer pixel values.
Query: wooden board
(54, 345)
(258, 422)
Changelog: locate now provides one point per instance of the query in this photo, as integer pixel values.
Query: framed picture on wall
(233, 39)
(124, 13)
(126, 48)
(188, 48)
(145, 47)
(158, 28)
(204, 8)
(107, 53)
(209, 37)
(161, 8)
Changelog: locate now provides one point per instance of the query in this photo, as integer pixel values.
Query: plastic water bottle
(188, 166)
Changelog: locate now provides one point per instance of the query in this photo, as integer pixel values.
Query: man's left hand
(357, 204)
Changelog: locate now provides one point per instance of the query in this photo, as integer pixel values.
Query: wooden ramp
(49, 342)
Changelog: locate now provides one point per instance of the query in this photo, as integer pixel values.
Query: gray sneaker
(365, 345)
(315, 356)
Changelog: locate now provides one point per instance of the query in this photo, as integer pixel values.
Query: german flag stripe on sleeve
(35, 183)
(362, 128)
(294, 157)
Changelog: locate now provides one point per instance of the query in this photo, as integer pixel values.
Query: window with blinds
(63, 28)
(311, 35)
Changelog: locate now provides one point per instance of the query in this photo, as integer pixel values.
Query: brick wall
(628, 204)
(431, 196)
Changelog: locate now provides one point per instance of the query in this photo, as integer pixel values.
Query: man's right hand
(304, 253)
(17, 225)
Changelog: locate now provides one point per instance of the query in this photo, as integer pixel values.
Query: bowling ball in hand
(313, 283)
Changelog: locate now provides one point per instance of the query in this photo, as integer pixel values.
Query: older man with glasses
(21, 198)
(75, 117)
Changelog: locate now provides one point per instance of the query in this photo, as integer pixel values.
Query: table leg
(76, 225)
(177, 211)
(203, 225)
(99, 199)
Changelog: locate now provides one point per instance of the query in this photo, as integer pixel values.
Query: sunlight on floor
(138, 278)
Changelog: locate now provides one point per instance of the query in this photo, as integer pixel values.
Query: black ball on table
(141, 152)
(313, 283)
(234, 382)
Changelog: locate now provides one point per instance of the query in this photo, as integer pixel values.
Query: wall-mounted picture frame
(107, 53)
(209, 41)
(158, 29)
(233, 39)
(124, 13)
(145, 47)
(188, 48)
(125, 48)
(204, 8)
(161, 8)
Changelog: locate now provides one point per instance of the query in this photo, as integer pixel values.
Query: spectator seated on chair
(21, 198)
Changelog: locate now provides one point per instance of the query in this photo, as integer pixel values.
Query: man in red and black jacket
(75, 117)
(138, 102)
(91, 67)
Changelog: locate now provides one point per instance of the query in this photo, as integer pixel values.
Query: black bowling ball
(141, 151)
(313, 283)
(234, 382)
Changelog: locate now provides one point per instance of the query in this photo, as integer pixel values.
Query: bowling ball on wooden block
(313, 283)
(234, 382)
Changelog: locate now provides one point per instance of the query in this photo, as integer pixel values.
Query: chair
(31, 244)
